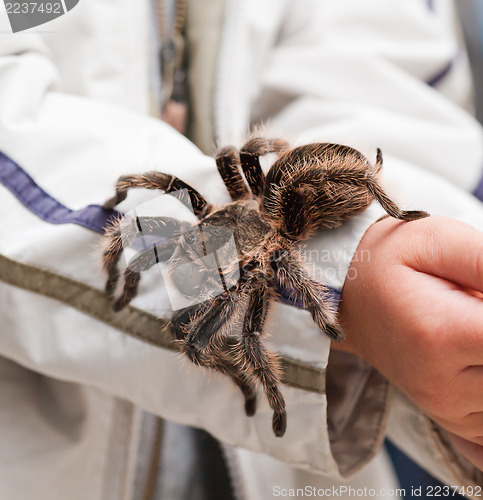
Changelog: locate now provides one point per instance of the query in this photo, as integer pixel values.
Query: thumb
(451, 250)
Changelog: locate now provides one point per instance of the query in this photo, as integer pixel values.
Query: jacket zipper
(173, 83)
(172, 51)
(234, 472)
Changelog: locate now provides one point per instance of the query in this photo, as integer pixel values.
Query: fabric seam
(133, 321)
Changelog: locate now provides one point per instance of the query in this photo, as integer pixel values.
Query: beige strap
(133, 321)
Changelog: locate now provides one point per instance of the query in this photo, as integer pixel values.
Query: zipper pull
(166, 62)
(173, 84)
(179, 74)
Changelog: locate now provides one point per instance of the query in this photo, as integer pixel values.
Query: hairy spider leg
(293, 214)
(314, 295)
(124, 230)
(142, 261)
(211, 317)
(261, 361)
(227, 162)
(164, 182)
(293, 184)
(206, 325)
(250, 160)
(213, 313)
(390, 207)
(387, 204)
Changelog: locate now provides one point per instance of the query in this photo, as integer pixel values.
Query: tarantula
(310, 188)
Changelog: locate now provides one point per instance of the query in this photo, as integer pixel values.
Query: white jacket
(74, 105)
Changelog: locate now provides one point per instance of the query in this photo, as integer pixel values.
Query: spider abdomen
(316, 187)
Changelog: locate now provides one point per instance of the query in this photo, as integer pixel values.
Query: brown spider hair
(314, 187)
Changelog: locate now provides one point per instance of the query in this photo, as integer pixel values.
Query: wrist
(354, 317)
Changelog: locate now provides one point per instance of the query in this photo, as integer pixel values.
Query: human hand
(472, 451)
(411, 311)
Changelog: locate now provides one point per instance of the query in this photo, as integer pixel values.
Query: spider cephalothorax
(238, 256)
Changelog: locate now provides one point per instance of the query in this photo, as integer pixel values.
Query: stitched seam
(93, 302)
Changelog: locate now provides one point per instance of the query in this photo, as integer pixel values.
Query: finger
(451, 318)
(451, 250)
(462, 314)
(472, 451)
(475, 293)
(456, 402)
(469, 427)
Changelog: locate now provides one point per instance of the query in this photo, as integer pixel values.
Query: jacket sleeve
(55, 319)
(392, 75)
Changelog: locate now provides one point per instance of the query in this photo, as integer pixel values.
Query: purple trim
(292, 299)
(33, 197)
(93, 217)
(478, 192)
(438, 77)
